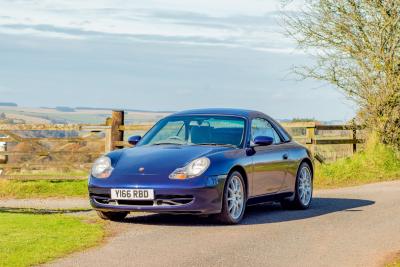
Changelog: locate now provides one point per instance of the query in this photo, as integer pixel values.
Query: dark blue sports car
(206, 161)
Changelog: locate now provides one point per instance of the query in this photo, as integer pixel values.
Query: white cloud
(34, 32)
(244, 23)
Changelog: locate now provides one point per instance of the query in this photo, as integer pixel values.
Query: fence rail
(110, 136)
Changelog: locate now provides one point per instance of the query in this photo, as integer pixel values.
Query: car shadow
(258, 214)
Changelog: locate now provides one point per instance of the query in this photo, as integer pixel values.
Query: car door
(269, 162)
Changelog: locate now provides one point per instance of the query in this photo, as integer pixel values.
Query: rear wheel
(234, 200)
(112, 216)
(303, 190)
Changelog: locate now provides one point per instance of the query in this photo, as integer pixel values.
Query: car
(206, 162)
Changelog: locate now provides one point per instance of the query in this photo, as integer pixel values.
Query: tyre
(303, 190)
(112, 216)
(234, 200)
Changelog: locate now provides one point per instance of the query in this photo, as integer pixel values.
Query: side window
(261, 127)
(276, 137)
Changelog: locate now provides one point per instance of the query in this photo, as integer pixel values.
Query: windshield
(197, 130)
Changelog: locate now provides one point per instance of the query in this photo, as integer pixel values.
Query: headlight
(102, 168)
(195, 168)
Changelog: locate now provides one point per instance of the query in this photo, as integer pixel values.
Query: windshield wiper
(215, 144)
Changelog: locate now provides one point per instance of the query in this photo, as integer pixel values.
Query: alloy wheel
(235, 197)
(305, 186)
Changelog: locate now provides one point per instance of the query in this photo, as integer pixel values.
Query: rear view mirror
(263, 140)
(133, 140)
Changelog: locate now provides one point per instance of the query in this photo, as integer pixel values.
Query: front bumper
(206, 199)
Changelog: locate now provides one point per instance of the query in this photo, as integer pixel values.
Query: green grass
(375, 164)
(28, 239)
(42, 188)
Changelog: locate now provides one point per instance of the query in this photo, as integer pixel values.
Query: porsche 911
(206, 162)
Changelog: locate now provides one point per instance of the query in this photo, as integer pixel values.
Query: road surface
(358, 226)
(46, 203)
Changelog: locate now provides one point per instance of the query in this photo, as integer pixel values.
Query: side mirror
(133, 140)
(263, 141)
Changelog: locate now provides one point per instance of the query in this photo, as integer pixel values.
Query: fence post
(354, 140)
(114, 134)
(354, 131)
(3, 159)
(311, 141)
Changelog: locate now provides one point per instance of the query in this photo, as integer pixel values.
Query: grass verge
(28, 239)
(42, 188)
(375, 164)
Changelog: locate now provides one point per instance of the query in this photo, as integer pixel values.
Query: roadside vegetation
(376, 163)
(29, 239)
(42, 188)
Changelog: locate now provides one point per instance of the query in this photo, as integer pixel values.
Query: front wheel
(111, 216)
(234, 200)
(303, 190)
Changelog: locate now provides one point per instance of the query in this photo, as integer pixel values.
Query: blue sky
(157, 55)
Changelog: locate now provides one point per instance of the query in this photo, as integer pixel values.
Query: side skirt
(268, 198)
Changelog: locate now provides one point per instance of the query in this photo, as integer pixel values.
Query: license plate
(137, 194)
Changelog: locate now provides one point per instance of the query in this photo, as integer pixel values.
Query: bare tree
(357, 48)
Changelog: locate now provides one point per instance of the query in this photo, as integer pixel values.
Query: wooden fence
(40, 152)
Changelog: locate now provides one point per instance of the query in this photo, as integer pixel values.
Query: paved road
(356, 226)
(47, 203)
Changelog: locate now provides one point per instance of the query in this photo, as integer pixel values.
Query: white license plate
(139, 194)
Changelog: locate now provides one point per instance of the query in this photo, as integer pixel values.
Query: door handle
(285, 156)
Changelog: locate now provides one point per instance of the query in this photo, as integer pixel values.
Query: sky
(158, 55)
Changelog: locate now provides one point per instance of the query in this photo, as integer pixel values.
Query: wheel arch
(243, 172)
(310, 163)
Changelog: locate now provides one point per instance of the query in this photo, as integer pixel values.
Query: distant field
(89, 116)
